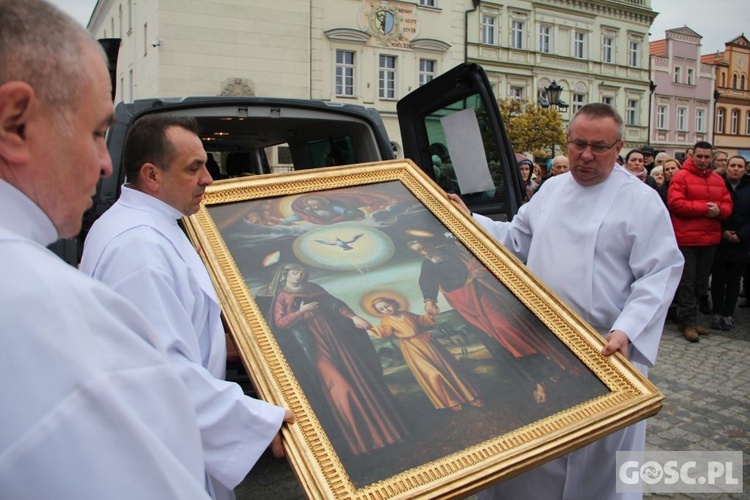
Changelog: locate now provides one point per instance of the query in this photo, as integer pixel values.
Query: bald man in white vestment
(139, 250)
(92, 408)
(603, 242)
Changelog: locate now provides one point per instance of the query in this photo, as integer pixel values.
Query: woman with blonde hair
(670, 166)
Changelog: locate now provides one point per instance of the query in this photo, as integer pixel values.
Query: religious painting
(420, 358)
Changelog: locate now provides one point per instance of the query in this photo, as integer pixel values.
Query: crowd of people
(708, 198)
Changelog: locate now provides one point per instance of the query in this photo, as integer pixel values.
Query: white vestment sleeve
(235, 429)
(656, 265)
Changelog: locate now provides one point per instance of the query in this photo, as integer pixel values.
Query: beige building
(732, 123)
(373, 52)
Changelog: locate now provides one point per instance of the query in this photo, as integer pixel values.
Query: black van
(451, 128)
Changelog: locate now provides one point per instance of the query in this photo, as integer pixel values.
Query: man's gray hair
(42, 46)
(600, 110)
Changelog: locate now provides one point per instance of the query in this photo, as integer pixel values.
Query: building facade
(596, 50)
(682, 102)
(373, 52)
(731, 132)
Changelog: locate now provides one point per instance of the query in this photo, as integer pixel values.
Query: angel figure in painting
(436, 370)
(343, 360)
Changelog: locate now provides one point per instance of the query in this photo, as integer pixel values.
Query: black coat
(739, 221)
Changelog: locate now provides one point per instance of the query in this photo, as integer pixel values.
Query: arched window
(742, 82)
(723, 79)
(734, 81)
(720, 121)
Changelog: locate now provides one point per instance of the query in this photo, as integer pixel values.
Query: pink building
(682, 102)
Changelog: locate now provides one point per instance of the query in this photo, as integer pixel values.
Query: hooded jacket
(690, 190)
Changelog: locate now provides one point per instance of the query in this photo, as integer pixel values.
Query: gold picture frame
(295, 258)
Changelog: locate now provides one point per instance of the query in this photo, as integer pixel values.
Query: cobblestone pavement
(707, 407)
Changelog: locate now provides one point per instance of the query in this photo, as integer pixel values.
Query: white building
(373, 52)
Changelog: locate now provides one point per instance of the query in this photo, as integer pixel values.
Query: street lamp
(553, 97)
(651, 89)
(717, 94)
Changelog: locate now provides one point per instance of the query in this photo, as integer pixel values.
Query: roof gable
(685, 31)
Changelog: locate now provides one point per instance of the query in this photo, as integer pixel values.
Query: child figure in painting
(436, 370)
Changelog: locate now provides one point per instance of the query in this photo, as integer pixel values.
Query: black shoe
(705, 305)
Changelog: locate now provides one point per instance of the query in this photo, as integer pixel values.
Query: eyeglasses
(597, 149)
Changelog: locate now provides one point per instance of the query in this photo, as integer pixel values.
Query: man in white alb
(139, 250)
(583, 234)
(92, 407)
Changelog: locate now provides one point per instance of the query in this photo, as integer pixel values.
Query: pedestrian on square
(733, 252)
(584, 236)
(634, 164)
(660, 158)
(671, 165)
(698, 201)
(649, 155)
(560, 165)
(658, 175)
(525, 166)
(91, 406)
(138, 248)
(719, 162)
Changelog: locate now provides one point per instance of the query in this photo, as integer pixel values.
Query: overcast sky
(718, 21)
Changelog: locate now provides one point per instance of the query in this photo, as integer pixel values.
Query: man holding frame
(583, 235)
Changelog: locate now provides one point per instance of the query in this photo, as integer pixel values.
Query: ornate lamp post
(717, 94)
(553, 97)
(651, 89)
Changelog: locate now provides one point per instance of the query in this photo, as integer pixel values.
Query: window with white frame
(387, 77)
(426, 71)
(427, 3)
(345, 73)
(578, 101)
(517, 34)
(677, 74)
(690, 75)
(661, 117)
(608, 49)
(682, 119)
(489, 29)
(516, 92)
(720, 121)
(747, 123)
(607, 99)
(735, 122)
(579, 44)
(700, 120)
(634, 53)
(545, 38)
(631, 112)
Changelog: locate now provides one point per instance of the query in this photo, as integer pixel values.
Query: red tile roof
(658, 48)
(714, 58)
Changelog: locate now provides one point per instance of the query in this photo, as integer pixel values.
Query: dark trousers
(725, 285)
(694, 282)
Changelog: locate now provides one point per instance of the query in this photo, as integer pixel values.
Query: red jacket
(689, 192)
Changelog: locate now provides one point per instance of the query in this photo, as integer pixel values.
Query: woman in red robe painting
(343, 359)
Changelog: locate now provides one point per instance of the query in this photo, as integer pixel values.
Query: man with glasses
(584, 236)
